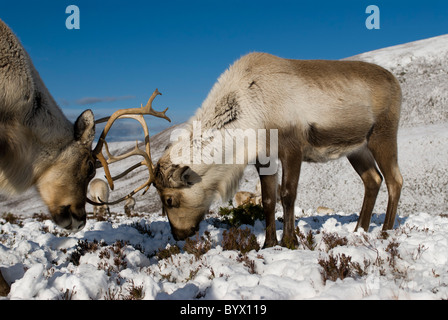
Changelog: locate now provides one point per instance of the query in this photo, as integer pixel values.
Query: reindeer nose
(76, 225)
(62, 217)
(79, 219)
(81, 225)
(71, 220)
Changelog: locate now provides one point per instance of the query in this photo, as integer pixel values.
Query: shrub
(134, 292)
(244, 214)
(341, 267)
(142, 229)
(336, 267)
(117, 252)
(167, 252)
(83, 247)
(333, 240)
(11, 218)
(240, 240)
(307, 240)
(199, 246)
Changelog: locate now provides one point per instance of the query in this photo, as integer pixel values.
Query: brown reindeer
(246, 197)
(40, 147)
(320, 110)
(99, 192)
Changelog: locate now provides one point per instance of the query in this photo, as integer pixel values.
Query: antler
(137, 114)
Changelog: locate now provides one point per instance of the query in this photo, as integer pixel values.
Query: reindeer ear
(85, 128)
(185, 176)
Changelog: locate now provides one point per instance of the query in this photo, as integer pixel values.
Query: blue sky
(125, 49)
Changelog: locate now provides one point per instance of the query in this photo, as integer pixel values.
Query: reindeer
(40, 147)
(246, 197)
(322, 110)
(129, 206)
(99, 192)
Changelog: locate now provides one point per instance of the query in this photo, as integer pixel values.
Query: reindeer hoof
(290, 242)
(268, 243)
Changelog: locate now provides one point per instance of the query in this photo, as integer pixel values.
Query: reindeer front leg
(269, 199)
(291, 164)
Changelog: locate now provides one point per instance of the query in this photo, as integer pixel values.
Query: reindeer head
(77, 164)
(63, 186)
(184, 200)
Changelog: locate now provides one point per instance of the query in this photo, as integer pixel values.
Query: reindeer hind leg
(364, 164)
(384, 150)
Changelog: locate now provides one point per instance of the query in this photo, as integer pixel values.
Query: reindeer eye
(90, 169)
(172, 202)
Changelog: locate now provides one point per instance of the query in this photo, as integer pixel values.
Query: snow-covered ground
(136, 257)
(108, 260)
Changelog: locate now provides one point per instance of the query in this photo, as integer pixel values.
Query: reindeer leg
(364, 164)
(269, 199)
(4, 287)
(291, 164)
(384, 150)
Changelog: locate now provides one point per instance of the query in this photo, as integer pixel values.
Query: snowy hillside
(422, 69)
(136, 257)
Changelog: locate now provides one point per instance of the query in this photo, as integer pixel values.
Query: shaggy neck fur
(222, 180)
(33, 129)
(227, 107)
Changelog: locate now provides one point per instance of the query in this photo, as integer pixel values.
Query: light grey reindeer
(99, 192)
(323, 110)
(40, 147)
(129, 205)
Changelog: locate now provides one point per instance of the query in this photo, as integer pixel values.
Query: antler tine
(105, 166)
(118, 176)
(149, 110)
(93, 203)
(147, 184)
(133, 152)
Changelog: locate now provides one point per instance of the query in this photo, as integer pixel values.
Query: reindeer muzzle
(68, 219)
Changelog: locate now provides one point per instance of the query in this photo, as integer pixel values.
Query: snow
(407, 53)
(39, 260)
(119, 258)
